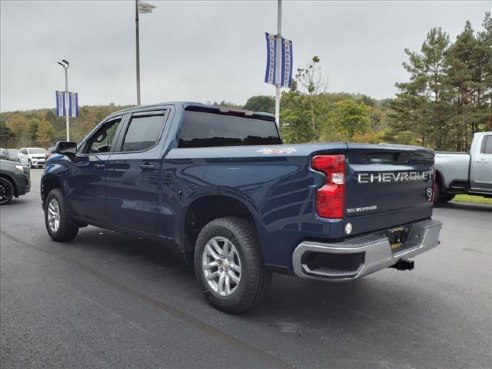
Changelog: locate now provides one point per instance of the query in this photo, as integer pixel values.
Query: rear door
(388, 185)
(134, 173)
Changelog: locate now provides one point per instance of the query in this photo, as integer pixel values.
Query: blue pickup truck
(220, 185)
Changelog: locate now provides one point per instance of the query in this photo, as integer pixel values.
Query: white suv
(32, 156)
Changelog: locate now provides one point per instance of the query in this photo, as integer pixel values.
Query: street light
(65, 64)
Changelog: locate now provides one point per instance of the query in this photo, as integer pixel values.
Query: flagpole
(279, 64)
(137, 52)
(66, 98)
(67, 104)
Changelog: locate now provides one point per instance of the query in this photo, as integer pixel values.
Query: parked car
(13, 154)
(220, 185)
(469, 173)
(32, 156)
(8, 154)
(14, 180)
(4, 155)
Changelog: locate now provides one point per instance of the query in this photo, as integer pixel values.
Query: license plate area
(398, 237)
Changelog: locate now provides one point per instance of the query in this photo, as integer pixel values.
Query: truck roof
(195, 106)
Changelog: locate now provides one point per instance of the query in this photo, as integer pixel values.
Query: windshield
(37, 151)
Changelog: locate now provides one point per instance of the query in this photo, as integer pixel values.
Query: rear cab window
(144, 131)
(209, 129)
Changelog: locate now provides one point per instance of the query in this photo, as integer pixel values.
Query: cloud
(208, 50)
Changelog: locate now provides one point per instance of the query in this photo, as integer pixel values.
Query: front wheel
(229, 265)
(6, 191)
(59, 225)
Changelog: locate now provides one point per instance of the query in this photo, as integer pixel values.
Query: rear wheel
(6, 191)
(29, 163)
(59, 225)
(441, 196)
(229, 265)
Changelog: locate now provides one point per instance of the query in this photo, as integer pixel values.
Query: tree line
(449, 95)
(446, 99)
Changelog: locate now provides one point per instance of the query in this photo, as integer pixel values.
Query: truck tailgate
(388, 185)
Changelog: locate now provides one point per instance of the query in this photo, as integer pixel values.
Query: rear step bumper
(363, 255)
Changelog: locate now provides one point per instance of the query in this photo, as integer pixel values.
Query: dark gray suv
(14, 180)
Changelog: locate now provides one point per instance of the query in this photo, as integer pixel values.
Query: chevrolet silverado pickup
(470, 173)
(220, 185)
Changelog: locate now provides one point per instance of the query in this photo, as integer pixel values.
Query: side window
(24, 151)
(487, 145)
(143, 132)
(103, 138)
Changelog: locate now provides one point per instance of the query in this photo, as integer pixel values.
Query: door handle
(99, 166)
(147, 166)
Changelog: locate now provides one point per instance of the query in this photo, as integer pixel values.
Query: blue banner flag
(283, 76)
(60, 103)
(73, 104)
(271, 67)
(286, 80)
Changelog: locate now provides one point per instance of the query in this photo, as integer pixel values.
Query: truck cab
(468, 173)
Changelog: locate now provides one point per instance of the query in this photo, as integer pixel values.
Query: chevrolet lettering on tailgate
(389, 177)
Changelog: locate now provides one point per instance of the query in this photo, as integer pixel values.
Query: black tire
(7, 190)
(441, 196)
(254, 279)
(66, 229)
(29, 164)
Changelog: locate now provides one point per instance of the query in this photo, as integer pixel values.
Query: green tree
(311, 78)
(420, 105)
(19, 126)
(33, 131)
(353, 117)
(295, 113)
(261, 103)
(6, 135)
(44, 134)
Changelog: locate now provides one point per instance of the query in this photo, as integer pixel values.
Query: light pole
(143, 8)
(65, 64)
(279, 64)
(137, 51)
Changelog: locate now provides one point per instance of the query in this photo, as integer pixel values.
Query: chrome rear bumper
(363, 255)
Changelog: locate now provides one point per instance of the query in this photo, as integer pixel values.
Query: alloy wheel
(221, 266)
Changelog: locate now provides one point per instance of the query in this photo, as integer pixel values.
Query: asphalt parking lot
(108, 300)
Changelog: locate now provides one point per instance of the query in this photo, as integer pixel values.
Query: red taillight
(330, 199)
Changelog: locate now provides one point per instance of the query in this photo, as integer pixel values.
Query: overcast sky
(209, 51)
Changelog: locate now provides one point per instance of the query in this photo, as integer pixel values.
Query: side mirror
(66, 148)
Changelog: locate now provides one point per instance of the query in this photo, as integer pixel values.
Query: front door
(88, 182)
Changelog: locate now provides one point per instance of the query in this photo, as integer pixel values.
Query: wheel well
(206, 209)
(440, 180)
(47, 186)
(11, 181)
